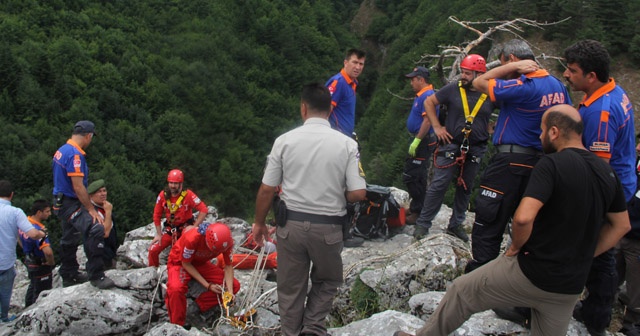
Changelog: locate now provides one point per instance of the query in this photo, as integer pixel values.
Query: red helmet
(474, 62)
(219, 237)
(175, 175)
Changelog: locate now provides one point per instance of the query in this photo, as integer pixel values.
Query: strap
(469, 117)
(175, 206)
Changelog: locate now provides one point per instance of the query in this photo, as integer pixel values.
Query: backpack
(371, 215)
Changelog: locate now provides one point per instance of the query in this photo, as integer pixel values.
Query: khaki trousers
(500, 283)
(303, 246)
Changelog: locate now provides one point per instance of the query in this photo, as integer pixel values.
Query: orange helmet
(474, 62)
(175, 175)
(218, 237)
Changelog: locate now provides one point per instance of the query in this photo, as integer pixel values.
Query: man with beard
(608, 115)
(523, 92)
(417, 162)
(468, 113)
(542, 269)
(177, 206)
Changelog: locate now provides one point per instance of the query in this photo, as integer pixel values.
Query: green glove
(414, 146)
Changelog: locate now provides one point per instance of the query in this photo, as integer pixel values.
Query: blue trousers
(6, 288)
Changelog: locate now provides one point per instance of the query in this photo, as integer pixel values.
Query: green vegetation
(206, 86)
(363, 299)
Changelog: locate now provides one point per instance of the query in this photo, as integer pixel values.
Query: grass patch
(364, 299)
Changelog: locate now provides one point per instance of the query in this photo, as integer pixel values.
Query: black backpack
(370, 216)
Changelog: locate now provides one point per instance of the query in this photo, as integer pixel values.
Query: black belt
(518, 150)
(317, 219)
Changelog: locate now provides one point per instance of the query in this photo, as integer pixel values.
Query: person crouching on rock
(190, 258)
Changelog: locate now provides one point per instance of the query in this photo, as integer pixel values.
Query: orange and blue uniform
(414, 174)
(39, 272)
(192, 248)
(522, 103)
(77, 224)
(175, 220)
(343, 100)
(609, 131)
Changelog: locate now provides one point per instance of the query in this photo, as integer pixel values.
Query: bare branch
(398, 96)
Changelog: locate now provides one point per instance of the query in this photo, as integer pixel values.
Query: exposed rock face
(402, 279)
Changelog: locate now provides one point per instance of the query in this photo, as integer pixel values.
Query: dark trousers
(445, 171)
(601, 285)
(414, 175)
(78, 224)
(40, 279)
(501, 188)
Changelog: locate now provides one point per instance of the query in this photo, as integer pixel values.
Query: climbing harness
(173, 208)
(466, 131)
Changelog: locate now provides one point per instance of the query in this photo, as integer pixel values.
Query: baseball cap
(95, 186)
(419, 71)
(83, 127)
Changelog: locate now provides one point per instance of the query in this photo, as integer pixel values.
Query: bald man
(554, 238)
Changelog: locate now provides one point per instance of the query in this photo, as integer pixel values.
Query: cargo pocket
(487, 205)
(333, 238)
(282, 232)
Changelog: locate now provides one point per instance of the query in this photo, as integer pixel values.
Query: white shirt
(316, 165)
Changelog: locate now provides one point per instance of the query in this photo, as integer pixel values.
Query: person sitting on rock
(98, 194)
(190, 258)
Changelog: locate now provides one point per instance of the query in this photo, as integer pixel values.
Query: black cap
(419, 71)
(84, 127)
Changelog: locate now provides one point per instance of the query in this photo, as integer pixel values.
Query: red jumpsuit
(192, 247)
(182, 215)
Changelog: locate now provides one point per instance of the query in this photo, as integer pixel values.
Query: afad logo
(77, 163)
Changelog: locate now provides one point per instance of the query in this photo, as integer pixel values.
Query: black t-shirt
(450, 95)
(577, 189)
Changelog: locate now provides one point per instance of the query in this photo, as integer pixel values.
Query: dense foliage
(206, 85)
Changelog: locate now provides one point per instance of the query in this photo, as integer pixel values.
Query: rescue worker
(190, 258)
(462, 144)
(417, 163)
(177, 206)
(38, 253)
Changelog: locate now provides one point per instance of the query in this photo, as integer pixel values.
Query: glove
(414, 146)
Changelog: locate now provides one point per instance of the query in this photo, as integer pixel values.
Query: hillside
(206, 86)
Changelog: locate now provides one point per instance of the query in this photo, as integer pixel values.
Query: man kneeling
(190, 258)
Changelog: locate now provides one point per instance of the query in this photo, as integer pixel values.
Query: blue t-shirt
(11, 219)
(417, 114)
(68, 161)
(343, 100)
(522, 103)
(609, 132)
(33, 246)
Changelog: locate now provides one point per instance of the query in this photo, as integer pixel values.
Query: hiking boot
(8, 319)
(76, 279)
(353, 242)
(458, 231)
(103, 283)
(420, 232)
(401, 333)
(519, 315)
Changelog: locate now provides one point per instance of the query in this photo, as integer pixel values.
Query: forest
(207, 85)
